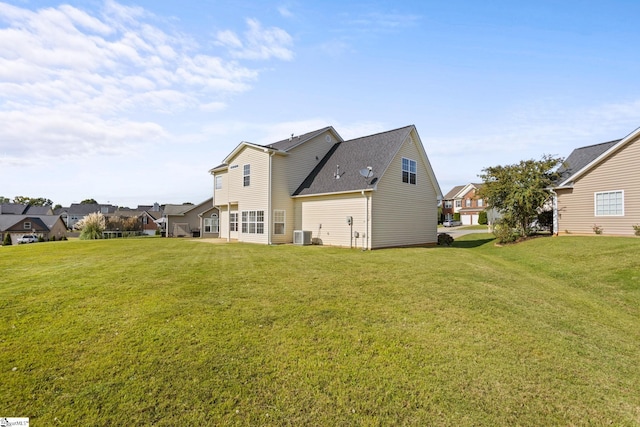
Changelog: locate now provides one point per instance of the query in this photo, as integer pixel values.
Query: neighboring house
(21, 209)
(48, 227)
(449, 205)
(77, 211)
(600, 186)
(148, 218)
(199, 220)
(463, 199)
(371, 192)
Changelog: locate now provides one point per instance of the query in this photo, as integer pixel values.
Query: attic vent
(327, 138)
(291, 137)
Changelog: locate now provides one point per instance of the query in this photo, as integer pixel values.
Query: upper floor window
(458, 203)
(448, 204)
(246, 175)
(467, 203)
(609, 203)
(219, 182)
(408, 171)
(480, 203)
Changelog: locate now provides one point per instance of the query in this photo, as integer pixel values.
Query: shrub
(456, 216)
(636, 228)
(545, 220)
(482, 218)
(91, 226)
(504, 232)
(445, 239)
(597, 229)
(7, 240)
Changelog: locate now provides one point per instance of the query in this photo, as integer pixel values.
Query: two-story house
(463, 200)
(370, 192)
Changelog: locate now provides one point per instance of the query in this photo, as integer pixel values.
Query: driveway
(460, 231)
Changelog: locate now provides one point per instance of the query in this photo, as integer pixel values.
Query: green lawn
(154, 331)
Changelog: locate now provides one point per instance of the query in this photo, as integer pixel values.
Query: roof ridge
(380, 133)
(600, 143)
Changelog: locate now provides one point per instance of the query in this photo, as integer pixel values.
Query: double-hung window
(467, 203)
(246, 175)
(211, 225)
(609, 203)
(409, 169)
(278, 221)
(233, 221)
(448, 204)
(219, 182)
(253, 222)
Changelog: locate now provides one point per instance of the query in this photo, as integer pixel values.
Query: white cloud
(77, 82)
(259, 43)
(285, 11)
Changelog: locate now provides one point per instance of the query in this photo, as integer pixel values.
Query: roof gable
(339, 170)
(283, 146)
(581, 160)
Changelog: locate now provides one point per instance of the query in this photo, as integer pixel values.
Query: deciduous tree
(518, 191)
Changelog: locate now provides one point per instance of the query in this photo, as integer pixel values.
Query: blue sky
(133, 102)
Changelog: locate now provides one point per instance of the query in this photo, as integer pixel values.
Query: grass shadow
(473, 240)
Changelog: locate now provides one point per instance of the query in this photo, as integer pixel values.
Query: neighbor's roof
(451, 194)
(347, 158)
(581, 157)
(8, 221)
(87, 208)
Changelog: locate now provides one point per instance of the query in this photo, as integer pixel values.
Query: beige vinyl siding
(304, 158)
(576, 206)
(281, 197)
(326, 218)
(288, 172)
(221, 196)
(255, 197)
(405, 214)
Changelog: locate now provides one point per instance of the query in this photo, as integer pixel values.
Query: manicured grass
(169, 331)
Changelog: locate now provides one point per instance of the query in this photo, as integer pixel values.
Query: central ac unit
(301, 237)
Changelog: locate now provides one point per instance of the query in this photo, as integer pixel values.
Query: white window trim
(251, 222)
(246, 177)
(276, 213)
(409, 161)
(212, 223)
(595, 203)
(218, 182)
(233, 221)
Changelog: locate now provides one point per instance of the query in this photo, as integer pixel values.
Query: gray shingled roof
(581, 157)
(287, 144)
(455, 190)
(351, 156)
(13, 208)
(87, 208)
(48, 221)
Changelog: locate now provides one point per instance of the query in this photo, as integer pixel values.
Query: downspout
(365, 241)
(555, 212)
(268, 225)
(229, 221)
